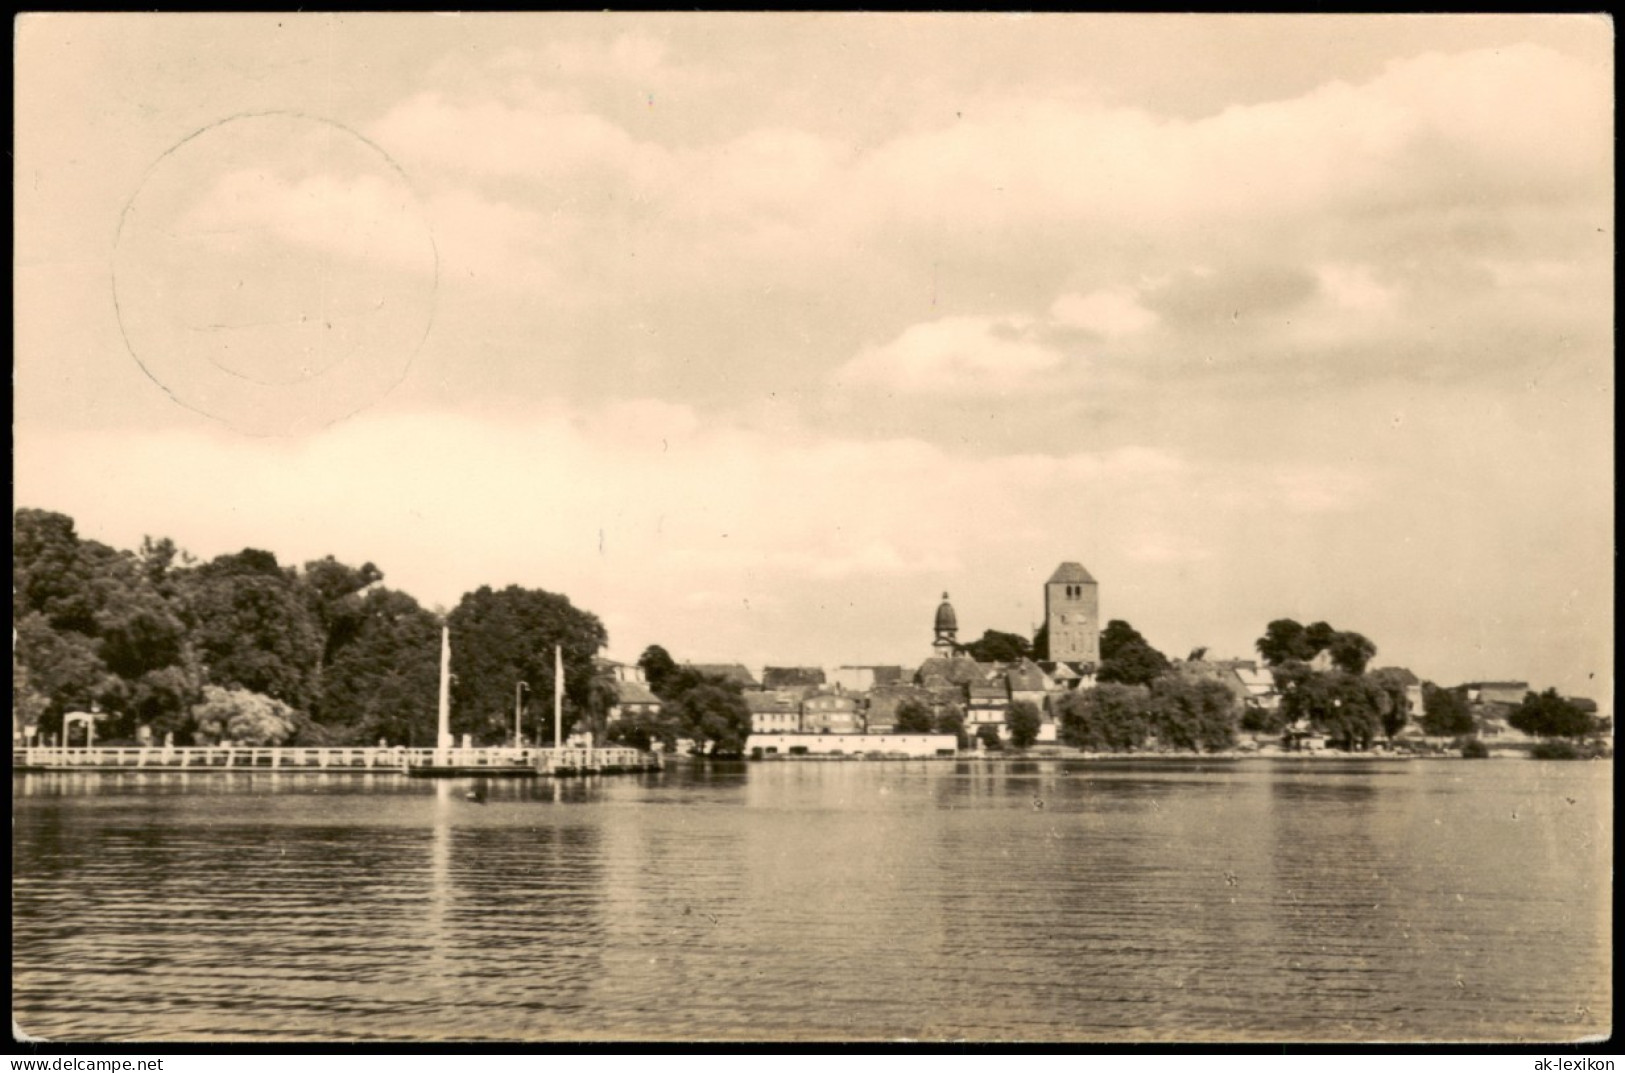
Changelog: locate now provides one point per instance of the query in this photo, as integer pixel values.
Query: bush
(989, 737)
(1473, 749)
(1555, 750)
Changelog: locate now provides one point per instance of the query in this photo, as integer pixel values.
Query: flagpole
(558, 697)
(443, 741)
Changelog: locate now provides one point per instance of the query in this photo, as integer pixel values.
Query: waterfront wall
(913, 745)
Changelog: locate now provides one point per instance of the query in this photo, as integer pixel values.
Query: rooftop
(1071, 573)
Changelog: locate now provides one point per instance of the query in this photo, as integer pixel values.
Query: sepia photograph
(812, 528)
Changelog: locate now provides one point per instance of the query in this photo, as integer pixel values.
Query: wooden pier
(417, 763)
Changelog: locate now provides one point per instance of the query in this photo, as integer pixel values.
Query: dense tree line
(1547, 715)
(916, 717)
(1187, 714)
(1352, 707)
(708, 710)
(997, 646)
(244, 648)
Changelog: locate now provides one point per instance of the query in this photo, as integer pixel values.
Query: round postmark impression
(276, 272)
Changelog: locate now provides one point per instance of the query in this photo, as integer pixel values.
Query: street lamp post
(518, 689)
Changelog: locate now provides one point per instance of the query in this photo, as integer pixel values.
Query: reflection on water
(1024, 900)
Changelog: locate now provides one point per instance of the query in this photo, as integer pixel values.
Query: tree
(1284, 640)
(1350, 651)
(163, 699)
(988, 736)
(139, 630)
(1394, 685)
(49, 572)
(500, 637)
(383, 682)
(1116, 636)
(1194, 714)
(1258, 720)
(715, 718)
(951, 720)
(601, 697)
(1126, 657)
(1041, 643)
(996, 646)
(658, 667)
(332, 590)
(1547, 715)
(28, 704)
(641, 729)
(1024, 721)
(246, 718)
(913, 717)
(1346, 708)
(1288, 675)
(253, 627)
(1320, 636)
(1109, 718)
(63, 668)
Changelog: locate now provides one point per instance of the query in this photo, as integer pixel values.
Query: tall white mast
(444, 740)
(558, 697)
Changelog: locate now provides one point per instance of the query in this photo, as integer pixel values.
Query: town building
(774, 711)
(884, 700)
(863, 678)
(632, 694)
(1497, 692)
(831, 713)
(801, 679)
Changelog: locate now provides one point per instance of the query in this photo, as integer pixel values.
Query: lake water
(1140, 900)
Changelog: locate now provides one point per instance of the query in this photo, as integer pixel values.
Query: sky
(755, 334)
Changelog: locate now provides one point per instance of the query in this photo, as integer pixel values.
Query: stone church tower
(1072, 612)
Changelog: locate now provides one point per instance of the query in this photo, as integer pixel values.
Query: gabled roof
(1255, 680)
(634, 693)
(958, 670)
(773, 703)
(1071, 573)
(1061, 672)
(888, 675)
(1027, 677)
(986, 693)
(787, 677)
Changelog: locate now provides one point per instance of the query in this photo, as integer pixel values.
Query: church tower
(946, 630)
(1072, 612)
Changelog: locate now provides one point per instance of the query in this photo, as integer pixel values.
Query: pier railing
(325, 758)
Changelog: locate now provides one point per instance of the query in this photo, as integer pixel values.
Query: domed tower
(1072, 610)
(947, 628)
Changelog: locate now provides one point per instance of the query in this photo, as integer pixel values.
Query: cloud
(542, 140)
(1325, 233)
(1111, 312)
(1354, 287)
(366, 217)
(957, 356)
